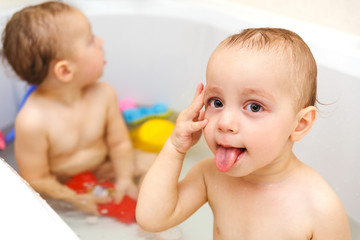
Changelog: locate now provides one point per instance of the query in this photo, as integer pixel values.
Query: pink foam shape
(126, 103)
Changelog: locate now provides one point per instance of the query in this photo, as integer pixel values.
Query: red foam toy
(2, 141)
(82, 183)
(124, 211)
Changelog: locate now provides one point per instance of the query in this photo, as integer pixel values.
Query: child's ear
(62, 70)
(305, 120)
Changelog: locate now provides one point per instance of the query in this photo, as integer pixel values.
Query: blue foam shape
(10, 136)
(159, 108)
(141, 113)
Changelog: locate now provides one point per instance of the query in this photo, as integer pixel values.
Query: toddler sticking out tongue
(226, 157)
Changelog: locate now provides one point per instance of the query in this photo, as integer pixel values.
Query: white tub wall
(8, 101)
(12, 90)
(332, 146)
(338, 14)
(342, 15)
(150, 69)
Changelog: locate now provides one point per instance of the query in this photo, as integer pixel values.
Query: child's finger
(199, 89)
(197, 126)
(197, 104)
(192, 111)
(201, 115)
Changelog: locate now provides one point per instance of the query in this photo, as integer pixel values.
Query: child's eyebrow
(211, 90)
(244, 93)
(257, 92)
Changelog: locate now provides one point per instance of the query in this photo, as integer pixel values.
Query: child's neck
(274, 173)
(67, 94)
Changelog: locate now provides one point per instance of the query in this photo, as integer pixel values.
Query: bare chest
(267, 214)
(77, 139)
(74, 129)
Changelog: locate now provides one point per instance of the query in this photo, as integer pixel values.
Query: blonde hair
(30, 40)
(290, 45)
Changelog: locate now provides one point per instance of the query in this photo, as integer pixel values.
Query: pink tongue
(225, 158)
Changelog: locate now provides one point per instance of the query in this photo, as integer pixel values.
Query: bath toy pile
(86, 182)
(134, 114)
(152, 135)
(153, 131)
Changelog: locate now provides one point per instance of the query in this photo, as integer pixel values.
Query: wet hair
(283, 43)
(31, 40)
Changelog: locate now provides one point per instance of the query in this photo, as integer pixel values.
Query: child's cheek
(209, 136)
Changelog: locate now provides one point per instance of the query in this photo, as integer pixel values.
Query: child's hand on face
(189, 125)
(125, 187)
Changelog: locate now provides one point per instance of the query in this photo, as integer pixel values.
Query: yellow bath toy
(152, 135)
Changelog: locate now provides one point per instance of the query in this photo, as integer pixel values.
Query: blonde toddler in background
(71, 122)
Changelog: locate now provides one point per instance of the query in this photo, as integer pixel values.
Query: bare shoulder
(318, 192)
(103, 88)
(31, 116)
(326, 210)
(101, 94)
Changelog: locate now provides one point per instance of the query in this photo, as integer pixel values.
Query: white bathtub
(157, 51)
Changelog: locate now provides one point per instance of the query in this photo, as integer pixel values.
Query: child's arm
(120, 149)
(31, 147)
(163, 202)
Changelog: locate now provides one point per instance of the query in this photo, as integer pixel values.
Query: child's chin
(235, 172)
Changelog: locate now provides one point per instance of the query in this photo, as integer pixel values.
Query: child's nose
(228, 122)
(100, 41)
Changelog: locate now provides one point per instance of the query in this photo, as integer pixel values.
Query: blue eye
(216, 103)
(254, 107)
